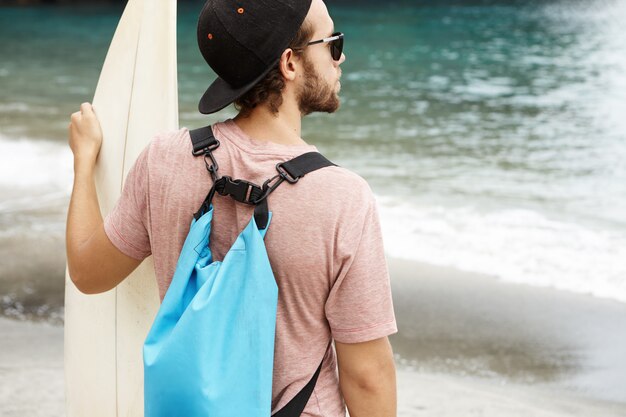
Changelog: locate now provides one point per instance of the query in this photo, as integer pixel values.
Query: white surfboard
(136, 97)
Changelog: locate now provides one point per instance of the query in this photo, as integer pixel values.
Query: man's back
(276, 62)
(324, 245)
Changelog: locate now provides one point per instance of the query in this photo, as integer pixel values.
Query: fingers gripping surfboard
(136, 97)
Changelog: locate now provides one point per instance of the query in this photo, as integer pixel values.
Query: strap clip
(207, 149)
(268, 187)
(284, 174)
(241, 190)
(212, 167)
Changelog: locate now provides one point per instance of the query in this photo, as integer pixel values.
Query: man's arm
(367, 378)
(95, 264)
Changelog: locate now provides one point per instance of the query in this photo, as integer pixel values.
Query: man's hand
(95, 265)
(85, 137)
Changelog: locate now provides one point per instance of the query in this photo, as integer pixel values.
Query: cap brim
(220, 94)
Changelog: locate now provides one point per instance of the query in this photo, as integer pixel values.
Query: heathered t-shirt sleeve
(359, 307)
(127, 224)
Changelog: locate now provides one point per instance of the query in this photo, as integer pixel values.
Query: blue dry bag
(210, 350)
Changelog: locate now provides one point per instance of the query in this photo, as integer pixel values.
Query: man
(324, 241)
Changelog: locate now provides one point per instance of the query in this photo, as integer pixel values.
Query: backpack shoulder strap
(290, 171)
(203, 140)
(204, 143)
(301, 165)
(296, 405)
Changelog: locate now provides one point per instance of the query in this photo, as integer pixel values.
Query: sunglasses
(336, 44)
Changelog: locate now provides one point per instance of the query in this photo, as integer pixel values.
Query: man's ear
(289, 64)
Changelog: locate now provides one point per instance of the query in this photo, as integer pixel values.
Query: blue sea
(492, 133)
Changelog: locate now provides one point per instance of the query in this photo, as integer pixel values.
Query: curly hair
(270, 88)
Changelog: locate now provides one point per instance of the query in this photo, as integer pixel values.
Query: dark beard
(315, 95)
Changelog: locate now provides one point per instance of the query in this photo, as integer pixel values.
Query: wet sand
(483, 330)
(468, 346)
(31, 369)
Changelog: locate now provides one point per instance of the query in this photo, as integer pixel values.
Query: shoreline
(468, 344)
(474, 325)
(422, 394)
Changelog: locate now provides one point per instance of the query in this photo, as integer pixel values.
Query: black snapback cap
(242, 41)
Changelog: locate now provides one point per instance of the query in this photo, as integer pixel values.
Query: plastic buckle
(240, 190)
(285, 175)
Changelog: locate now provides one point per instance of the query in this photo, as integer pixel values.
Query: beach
(31, 369)
(467, 345)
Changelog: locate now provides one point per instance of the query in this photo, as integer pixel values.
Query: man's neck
(261, 124)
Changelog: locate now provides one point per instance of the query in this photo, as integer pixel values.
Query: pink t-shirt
(324, 244)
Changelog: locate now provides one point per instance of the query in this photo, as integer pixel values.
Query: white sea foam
(28, 164)
(15, 107)
(514, 245)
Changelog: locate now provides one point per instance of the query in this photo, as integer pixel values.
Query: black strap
(261, 214)
(204, 143)
(296, 405)
(203, 139)
(307, 162)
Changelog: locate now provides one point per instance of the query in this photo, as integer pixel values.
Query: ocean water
(492, 133)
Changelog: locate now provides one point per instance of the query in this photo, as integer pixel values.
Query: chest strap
(204, 143)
